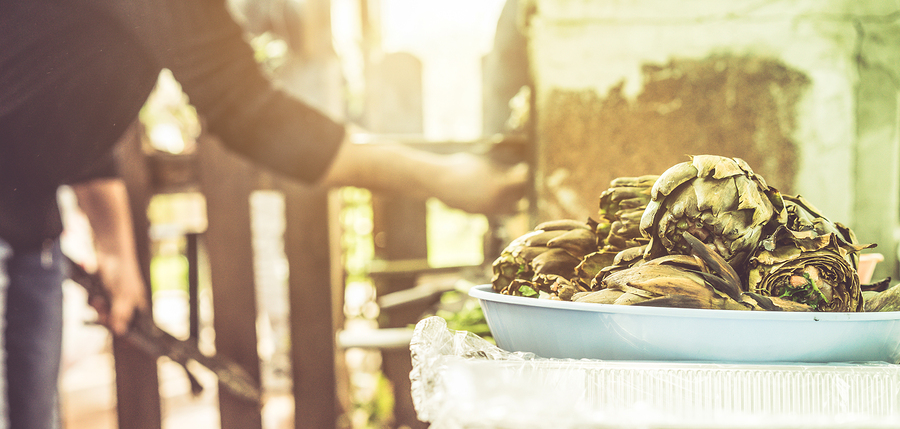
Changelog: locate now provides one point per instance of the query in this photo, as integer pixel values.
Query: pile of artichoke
(707, 233)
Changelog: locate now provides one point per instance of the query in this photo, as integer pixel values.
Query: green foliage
(357, 245)
(527, 291)
(169, 272)
(469, 316)
(270, 51)
(807, 293)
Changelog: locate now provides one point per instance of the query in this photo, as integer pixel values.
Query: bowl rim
(485, 292)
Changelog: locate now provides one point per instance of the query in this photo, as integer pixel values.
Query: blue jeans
(33, 335)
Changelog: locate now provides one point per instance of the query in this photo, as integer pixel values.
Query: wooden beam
(137, 382)
(227, 182)
(308, 251)
(394, 105)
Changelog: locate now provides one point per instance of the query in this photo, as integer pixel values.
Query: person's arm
(466, 181)
(205, 49)
(105, 203)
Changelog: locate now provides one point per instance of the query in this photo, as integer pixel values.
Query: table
(460, 380)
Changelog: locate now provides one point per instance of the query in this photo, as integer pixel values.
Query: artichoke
(800, 215)
(623, 260)
(718, 200)
(887, 300)
(621, 207)
(808, 259)
(669, 281)
(533, 262)
(702, 280)
(707, 233)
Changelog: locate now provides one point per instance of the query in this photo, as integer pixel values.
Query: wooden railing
(226, 181)
(315, 284)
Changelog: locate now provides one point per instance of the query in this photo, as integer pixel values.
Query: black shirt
(75, 73)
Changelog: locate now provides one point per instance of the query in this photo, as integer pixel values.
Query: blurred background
(805, 91)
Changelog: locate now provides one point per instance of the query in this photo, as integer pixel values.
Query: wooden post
(137, 382)
(227, 182)
(308, 251)
(399, 225)
(394, 105)
(312, 73)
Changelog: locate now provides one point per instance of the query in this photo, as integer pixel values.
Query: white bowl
(559, 329)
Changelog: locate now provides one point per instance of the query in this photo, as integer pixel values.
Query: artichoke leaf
(887, 300)
(750, 200)
(578, 242)
(629, 299)
(605, 296)
(731, 284)
(672, 285)
(592, 263)
(555, 261)
(633, 203)
(695, 302)
(645, 181)
(561, 224)
(678, 260)
(671, 179)
(630, 216)
(526, 254)
(778, 255)
(648, 218)
(716, 166)
(716, 196)
(543, 237)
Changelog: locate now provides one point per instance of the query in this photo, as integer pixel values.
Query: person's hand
(476, 184)
(470, 182)
(125, 293)
(105, 203)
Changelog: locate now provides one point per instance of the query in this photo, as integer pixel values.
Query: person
(75, 75)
